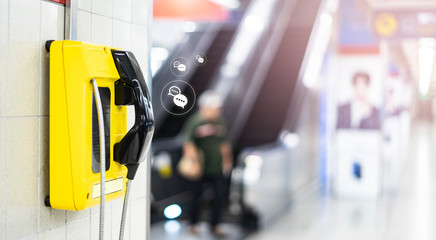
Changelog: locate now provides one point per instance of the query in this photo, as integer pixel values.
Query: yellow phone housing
(73, 183)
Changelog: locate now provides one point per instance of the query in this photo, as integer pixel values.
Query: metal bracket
(71, 7)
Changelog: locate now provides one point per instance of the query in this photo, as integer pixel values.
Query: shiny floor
(407, 209)
(175, 230)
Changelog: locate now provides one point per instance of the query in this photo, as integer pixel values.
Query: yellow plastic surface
(72, 66)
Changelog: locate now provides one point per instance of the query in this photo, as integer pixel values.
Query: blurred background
(329, 109)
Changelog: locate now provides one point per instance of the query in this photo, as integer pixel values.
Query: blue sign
(355, 26)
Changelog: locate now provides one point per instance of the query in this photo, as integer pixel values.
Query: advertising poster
(358, 98)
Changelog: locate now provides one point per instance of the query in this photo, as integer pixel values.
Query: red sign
(59, 1)
(192, 10)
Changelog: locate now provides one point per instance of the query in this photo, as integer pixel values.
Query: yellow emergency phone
(74, 130)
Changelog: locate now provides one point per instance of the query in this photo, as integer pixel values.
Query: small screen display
(105, 95)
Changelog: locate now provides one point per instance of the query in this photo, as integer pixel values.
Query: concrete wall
(25, 25)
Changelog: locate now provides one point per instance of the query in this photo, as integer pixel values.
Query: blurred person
(205, 134)
(391, 107)
(359, 112)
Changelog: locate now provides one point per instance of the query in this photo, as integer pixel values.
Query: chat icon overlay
(173, 91)
(200, 59)
(180, 100)
(178, 97)
(179, 66)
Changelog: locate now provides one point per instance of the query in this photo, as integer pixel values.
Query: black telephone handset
(131, 89)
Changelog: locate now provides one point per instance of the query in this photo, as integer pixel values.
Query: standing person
(205, 134)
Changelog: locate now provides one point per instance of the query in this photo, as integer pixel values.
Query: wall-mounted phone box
(74, 142)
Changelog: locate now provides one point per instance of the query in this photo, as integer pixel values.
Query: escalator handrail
(300, 90)
(271, 45)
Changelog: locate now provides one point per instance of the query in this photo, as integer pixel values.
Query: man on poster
(359, 113)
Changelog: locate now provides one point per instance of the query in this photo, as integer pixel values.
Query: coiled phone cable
(103, 169)
(102, 156)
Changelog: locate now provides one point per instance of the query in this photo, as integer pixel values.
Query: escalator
(269, 111)
(277, 146)
(256, 105)
(167, 190)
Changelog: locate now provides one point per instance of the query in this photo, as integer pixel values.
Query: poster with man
(359, 112)
(358, 99)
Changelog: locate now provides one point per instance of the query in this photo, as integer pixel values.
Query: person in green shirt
(205, 135)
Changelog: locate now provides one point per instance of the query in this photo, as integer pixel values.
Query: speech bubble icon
(181, 67)
(173, 91)
(176, 64)
(180, 100)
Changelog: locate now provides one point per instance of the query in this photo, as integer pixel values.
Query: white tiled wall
(101, 29)
(3, 185)
(24, 36)
(25, 26)
(123, 10)
(4, 35)
(22, 176)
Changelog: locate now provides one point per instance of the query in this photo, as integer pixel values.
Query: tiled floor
(406, 211)
(175, 230)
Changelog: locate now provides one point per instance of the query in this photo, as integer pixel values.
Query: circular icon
(178, 97)
(200, 59)
(386, 24)
(179, 66)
